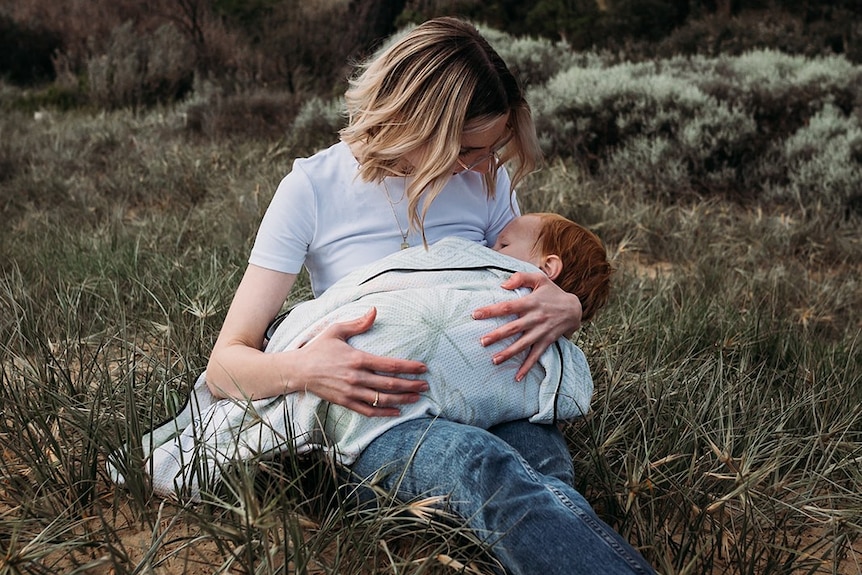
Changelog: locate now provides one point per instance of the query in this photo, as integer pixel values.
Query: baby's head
(571, 255)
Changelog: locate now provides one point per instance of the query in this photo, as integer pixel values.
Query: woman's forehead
(486, 133)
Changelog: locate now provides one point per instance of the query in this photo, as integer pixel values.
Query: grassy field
(726, 434)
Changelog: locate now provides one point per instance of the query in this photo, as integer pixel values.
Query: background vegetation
(717, 151)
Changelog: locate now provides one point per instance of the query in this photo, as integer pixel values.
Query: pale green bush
(767, 76)
(709, 124)
(611, 117)
(317, 123)
(533, 60)
(820, 164)
(648, 163)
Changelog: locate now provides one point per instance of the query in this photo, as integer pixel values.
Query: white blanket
(424, 299)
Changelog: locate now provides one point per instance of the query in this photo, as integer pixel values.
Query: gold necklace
(404, 243)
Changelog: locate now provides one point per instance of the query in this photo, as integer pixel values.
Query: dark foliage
(26, 52)
(261, 116)
(308, 48)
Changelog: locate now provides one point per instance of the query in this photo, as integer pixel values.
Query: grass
(726, 432)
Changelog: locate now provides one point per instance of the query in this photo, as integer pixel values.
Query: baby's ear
(552, 265)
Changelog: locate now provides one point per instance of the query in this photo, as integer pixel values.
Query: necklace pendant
(404, 245)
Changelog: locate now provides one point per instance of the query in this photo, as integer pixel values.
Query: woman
(431, 120)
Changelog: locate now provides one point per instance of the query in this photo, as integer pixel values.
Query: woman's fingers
(392, 389)
(373, 402)
(391, 365)
(381, 404)
(368, 362)
(346, 329)
(514, 306)
(368, 384)
(531, 360)
(541, 317)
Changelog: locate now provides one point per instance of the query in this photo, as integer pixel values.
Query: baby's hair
(586, 270)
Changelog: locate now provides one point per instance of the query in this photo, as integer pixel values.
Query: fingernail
(476, 315)
(483, 341)
(495, 360)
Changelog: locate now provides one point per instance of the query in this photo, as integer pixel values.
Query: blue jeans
(513, 486)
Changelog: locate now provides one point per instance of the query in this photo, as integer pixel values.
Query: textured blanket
(424, 299)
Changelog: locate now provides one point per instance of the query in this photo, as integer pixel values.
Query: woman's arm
(328, 366)
(543, 316)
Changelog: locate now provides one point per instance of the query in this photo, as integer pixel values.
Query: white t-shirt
(325, 217)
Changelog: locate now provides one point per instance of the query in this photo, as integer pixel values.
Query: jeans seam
(527, 467)
(596, 528)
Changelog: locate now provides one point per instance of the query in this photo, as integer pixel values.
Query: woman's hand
(543, 316)
(326, 366)
(331, 369)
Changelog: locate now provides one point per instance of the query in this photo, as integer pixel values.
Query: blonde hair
(438, 82)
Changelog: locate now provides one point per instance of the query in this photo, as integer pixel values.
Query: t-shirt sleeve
(501, 207)
(288, 226)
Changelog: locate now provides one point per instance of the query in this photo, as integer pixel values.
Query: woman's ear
(552, 265)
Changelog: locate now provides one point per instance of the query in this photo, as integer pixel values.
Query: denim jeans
(512, 484)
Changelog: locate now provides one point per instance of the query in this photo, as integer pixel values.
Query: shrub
(821, 164)
(263, 115)
(702, 124)
(317, 124)
(11, 155)
(635, 121)
(533, 60)
(54, 96)
(141, 70)
(784, 91)
(715, 35)
(227, 57)
(305, 42)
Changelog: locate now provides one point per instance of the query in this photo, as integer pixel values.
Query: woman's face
(480, 144)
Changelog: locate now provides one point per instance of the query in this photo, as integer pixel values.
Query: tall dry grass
(725, 432)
